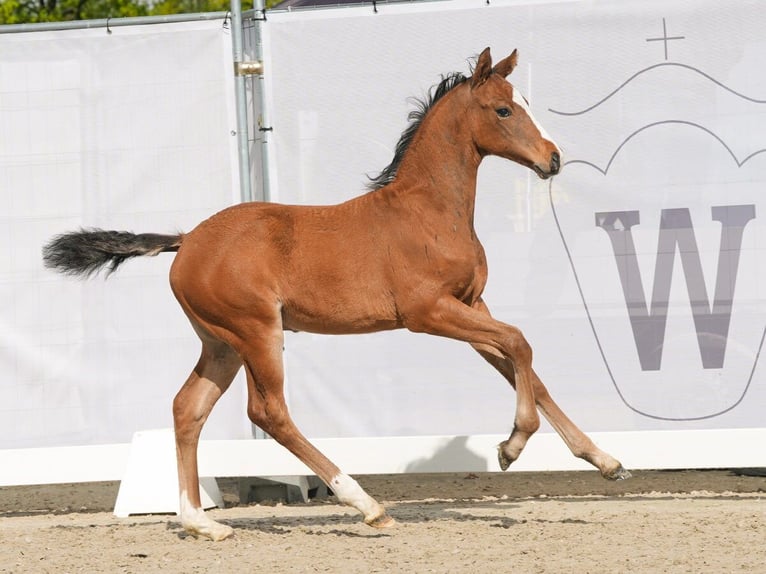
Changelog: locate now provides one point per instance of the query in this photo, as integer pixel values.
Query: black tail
(87, 251)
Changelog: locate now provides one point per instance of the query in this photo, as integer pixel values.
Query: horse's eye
(503, 112)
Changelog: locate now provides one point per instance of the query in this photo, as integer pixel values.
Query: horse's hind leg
(267, 409)
(217, 366)
(577, 441)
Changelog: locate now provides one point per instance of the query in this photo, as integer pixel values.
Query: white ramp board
(150, 483)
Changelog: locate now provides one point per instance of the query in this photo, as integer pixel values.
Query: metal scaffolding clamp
(254, 68)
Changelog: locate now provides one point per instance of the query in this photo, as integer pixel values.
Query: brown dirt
(680, 521)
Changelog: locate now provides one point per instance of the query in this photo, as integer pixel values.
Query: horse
(402, 255)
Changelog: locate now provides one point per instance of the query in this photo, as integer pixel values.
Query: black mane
(416, 118)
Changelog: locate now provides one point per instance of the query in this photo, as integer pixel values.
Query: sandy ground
(681, 521)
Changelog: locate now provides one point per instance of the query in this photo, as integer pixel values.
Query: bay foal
(404, 255)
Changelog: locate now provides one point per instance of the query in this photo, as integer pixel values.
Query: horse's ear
(483, 69)
(505, 67)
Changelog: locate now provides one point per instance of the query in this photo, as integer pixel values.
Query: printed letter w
(676, 230)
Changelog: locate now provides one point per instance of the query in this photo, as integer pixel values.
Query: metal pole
(264, 121)
(240, 92)
(109, 22)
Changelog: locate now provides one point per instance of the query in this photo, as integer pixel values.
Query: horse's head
(502, 123)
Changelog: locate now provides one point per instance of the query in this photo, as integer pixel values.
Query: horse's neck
(442, 163)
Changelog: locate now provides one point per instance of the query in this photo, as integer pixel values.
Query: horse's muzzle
(555, 163)
(552, 168)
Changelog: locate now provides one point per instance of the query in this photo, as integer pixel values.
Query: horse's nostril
(555, 162)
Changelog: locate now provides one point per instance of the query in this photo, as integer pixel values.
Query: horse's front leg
(577, 441)
(449, 317)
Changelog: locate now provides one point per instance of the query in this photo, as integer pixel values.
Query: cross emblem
(665, 38)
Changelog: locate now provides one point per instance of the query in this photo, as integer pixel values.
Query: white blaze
(522, 103)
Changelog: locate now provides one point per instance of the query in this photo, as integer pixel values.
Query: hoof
(381, 521)
(618, 474)
(221, 533)
(502, 458)
(212, 530)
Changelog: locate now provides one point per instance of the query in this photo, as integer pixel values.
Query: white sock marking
(349, 492)
(195, 520)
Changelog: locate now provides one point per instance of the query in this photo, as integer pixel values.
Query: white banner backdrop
(637, 274)
(123, 130)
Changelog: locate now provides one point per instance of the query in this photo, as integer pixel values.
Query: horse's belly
(339, 312)
(332, 320)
